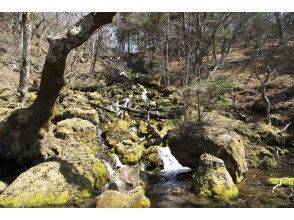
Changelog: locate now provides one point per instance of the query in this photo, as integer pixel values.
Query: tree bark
(28, 121)
(278, 18)
(25, 58)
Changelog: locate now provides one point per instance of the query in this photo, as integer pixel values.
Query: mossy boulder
(77, 129)
(189, 141)
(152, 159)
(120, 130)
(2, 186)
(212, 179)
(5, 93)
(89, 115)
(261, 157)
(270, 135)
(70, 178)
(134, 198)
(101, 175)
(129, 152)
(285, 181)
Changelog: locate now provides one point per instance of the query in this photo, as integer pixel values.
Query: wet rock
(2, 186)
(125, 178)
(89, 115)
(78, 129)
(152, 159)
(134, 198)
(190, 141)
(212, 179)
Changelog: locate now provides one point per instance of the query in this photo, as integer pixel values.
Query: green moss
(129, 152)
(131, 199)
(35, 200)
(101, 175)
(223, 194)
(268, 163)
(95, 148)
(85, 193)
(286, 181)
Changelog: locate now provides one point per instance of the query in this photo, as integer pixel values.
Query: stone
(212, 179)
(89, 115)
(70, 178)
(134, 198)
(125, 178)
(189, 141)
(77, 129)
(129, 152)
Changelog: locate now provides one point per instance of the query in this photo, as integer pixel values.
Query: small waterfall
(170, 163)
(117, 161)
(108, 167)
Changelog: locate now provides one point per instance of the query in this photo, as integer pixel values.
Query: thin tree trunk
(278, 18)
(25, 59)
(28, 121)
(167, 81)
(267, 105)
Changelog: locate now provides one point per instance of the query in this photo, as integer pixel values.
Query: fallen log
(139, 112)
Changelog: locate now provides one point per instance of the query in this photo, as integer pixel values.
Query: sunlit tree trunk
(25, 58)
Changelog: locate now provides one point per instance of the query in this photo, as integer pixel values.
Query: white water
(170, 163)
(117, 162)
(108, 167)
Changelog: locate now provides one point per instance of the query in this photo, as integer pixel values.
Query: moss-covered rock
(152, 159)
(213, 180)
(270, 135)
(101, 175)
(75, 128)
(189, 141)
(89, 115)
(120, 130)
(71, 177)
(286, 181)
(261, 157)
(129, 152)
(5, 93)
(131, 199)
(2, 186)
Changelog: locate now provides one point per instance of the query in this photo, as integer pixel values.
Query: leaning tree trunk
(25, 57)
(23, 125)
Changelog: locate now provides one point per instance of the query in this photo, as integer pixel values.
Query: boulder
(125, 178)
(89, 115)
(70, 178)
(188, 142)
(118, 131)
(129, 152)
(134, 198)
(270, 135)
(77, 129)
(212, 179)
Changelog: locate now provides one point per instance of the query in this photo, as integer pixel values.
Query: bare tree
(25, 58)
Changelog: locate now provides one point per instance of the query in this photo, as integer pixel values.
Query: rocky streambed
(122, 145)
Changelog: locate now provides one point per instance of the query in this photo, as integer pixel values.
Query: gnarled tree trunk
(22, 126)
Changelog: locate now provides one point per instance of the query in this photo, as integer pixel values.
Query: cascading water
(172, 169)
(170, 163)
(108, 167)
